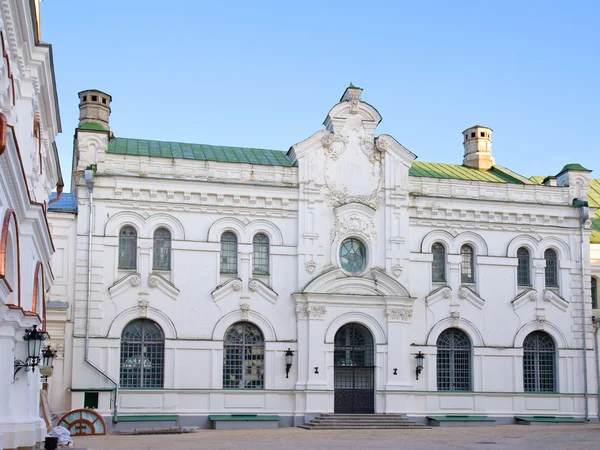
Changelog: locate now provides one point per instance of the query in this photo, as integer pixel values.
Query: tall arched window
(551, 268)
(539, 354)
(453, 361)
(142, 355)
(243, 357)
(594, 293)
(128, 248)
(229, 253)
(260, 256)
(523, 267)
(467, 266)
(161, 249)
(438, 268)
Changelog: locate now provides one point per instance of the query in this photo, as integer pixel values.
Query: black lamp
(46, 368)
(34, 339)
(289, 354)
(420, 357)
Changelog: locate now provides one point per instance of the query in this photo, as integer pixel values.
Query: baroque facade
(29, 171)
(191, 272)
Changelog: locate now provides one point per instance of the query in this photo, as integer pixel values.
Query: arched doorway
(354, 370)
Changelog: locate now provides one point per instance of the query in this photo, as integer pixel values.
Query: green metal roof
(496, 174)
(198, 152)
(92, 126)
(574, 166)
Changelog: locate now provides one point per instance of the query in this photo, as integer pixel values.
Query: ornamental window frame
(524, 266)
(361, 245)
(539, 362)
(551, 271)
(244, 360)
(261, 254)
(142, 358)
(229, 249)
(162, 249)
(467, 264)
(438, 263)
(128, 248)
(449, 359)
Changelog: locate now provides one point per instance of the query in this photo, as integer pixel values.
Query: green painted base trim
(553, 419)
(91, 389)
(458, 418)
(148, 418)
(245, 417)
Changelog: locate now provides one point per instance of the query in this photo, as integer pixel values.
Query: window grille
(539, 355)
(128, 248)
(353, 255)
(453, 361)
(353, 346)
(260, 256)
(523, 269)
(438, 272)
(229, 253)
(142, 355)
(243, 357)
(467, 268)
(551, 268)
(161, 253)
(594, 293)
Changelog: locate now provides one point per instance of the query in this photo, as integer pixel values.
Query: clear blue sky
(265, 74)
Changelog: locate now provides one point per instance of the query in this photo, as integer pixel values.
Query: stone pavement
(572, 437)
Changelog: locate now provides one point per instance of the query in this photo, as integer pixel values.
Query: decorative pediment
(156, 281)
(465, 293)
(263, 290)
(376, 283)
(441, 293)
(132, 280)
(530, 295)
(354, 219)
(555, 299)
(222, 291)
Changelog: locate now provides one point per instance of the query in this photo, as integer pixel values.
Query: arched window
(161, 253)
(229, 253)
(142, 355)
(594, 293)
(551, 268)
(453, 361)
(243, 357)
(260, 256)
(128, 248)
(523, 267)
(438, 272)
(467, 267)
(539, 354)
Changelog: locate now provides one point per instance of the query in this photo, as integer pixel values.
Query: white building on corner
(208, 263)
(29, 171)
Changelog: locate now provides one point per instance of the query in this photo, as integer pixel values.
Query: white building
(207, 263)
(29, 171)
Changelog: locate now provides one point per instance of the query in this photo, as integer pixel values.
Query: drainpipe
(584, 214)
(596, 323)
(89, 181)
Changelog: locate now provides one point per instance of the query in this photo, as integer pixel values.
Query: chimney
(478, 148)
(94, 110)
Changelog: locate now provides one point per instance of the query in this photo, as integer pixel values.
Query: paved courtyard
(572, 437)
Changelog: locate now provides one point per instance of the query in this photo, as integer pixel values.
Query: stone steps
(361, 421)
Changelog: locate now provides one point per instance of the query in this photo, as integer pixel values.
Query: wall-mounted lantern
(289, 354)
(46, 368)
(34, 340)
(420, 357)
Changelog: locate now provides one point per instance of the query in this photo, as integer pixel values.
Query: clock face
(82, 422)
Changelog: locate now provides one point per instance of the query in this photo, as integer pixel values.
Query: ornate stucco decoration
(464, 293)
(354, 219)
(555, 299)
(455, 315)
(401, 314)
(302, 311)
(132, 280)
(397, 270)
(525, 297)
(310, 266)
(244, 311)
(263, 290)
(541, 320)
(143, 303)
(156, 281)
(227, 288)
(310, 311)
(444, 292)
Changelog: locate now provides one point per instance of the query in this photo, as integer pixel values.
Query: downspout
(89, 181)
(596, 323)
(584, 214)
